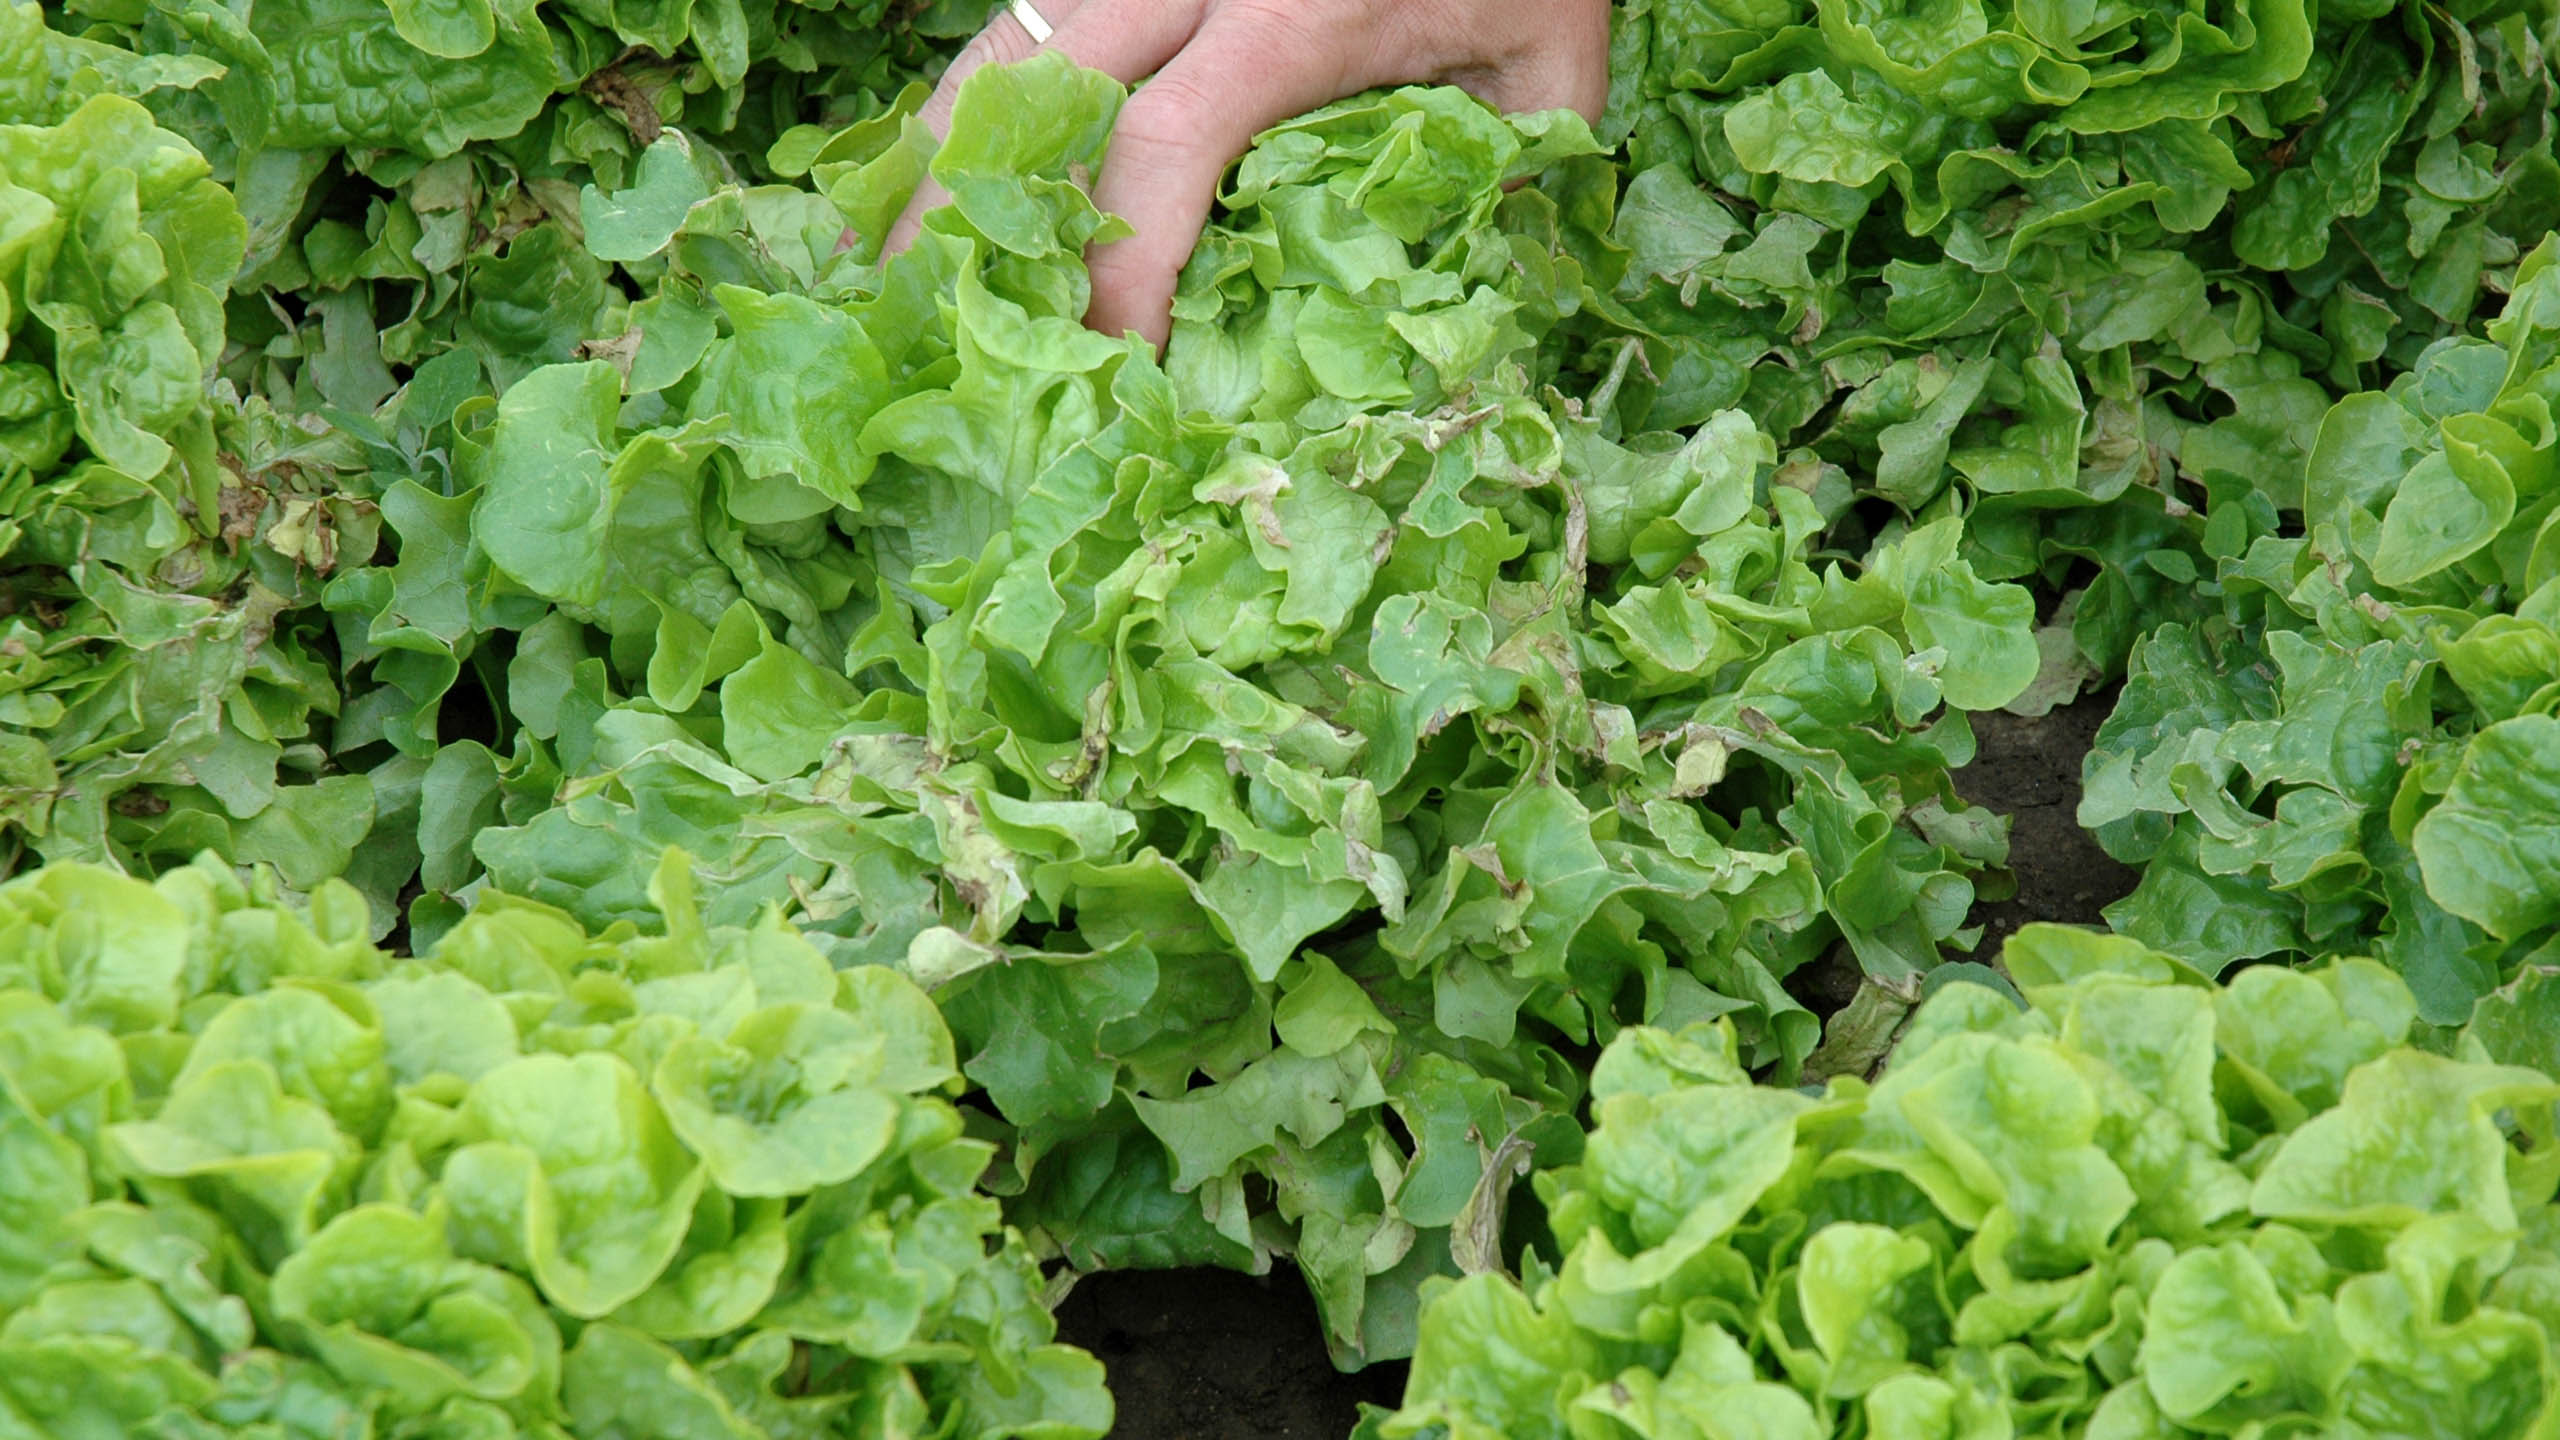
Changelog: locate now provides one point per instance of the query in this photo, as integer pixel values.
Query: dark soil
(1213, 1355)
(2030, 771)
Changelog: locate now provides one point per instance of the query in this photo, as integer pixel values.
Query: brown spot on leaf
(238, 507)
(611, 88)
(619, 351)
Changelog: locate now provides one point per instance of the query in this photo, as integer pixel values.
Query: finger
(1001, 43)
(1564, 67)
(1125, 39)
(1249, 68)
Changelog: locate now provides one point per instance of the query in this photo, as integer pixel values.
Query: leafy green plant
(2083, 275)
(1306, 733)
(268, 1181)
(181, 682)
(2385, 782)
(465, 450)
(2144, 1206)
(161, 538)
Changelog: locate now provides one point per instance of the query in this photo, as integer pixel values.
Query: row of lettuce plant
(461, 452)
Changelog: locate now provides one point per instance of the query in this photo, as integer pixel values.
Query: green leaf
(352, 79)
(324, 1047)
(782, 1105)
(1208, 1130)
(1489, 1360)
(2413, 1135)
(570, 1171)
(2443, 512)
(616, 1381)
(549, 501)
(49, 1184)
(637, 221)
(1325, 1011)
(1844, 1282)
(732, 1260)
(2221, 1342)
(125, 974)
(441, 1024)
(447, 29)
(1685, 1167)
(2488, 847)
(1032, 1028)
(389, 1308)
(270, 1162)
(792, 388)
(779, 712)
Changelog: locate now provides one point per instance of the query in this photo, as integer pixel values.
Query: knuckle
(1127, 269)
(1281, 22)
(1173, 112)
(1432, 33)
(1335, 49)
(1001, 43)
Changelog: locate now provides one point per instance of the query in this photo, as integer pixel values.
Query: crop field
(1872, 750)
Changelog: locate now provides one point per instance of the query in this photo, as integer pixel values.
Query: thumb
(1122, 38)
(1248, 69)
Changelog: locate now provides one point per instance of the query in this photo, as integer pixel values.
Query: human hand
(1219, 72)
